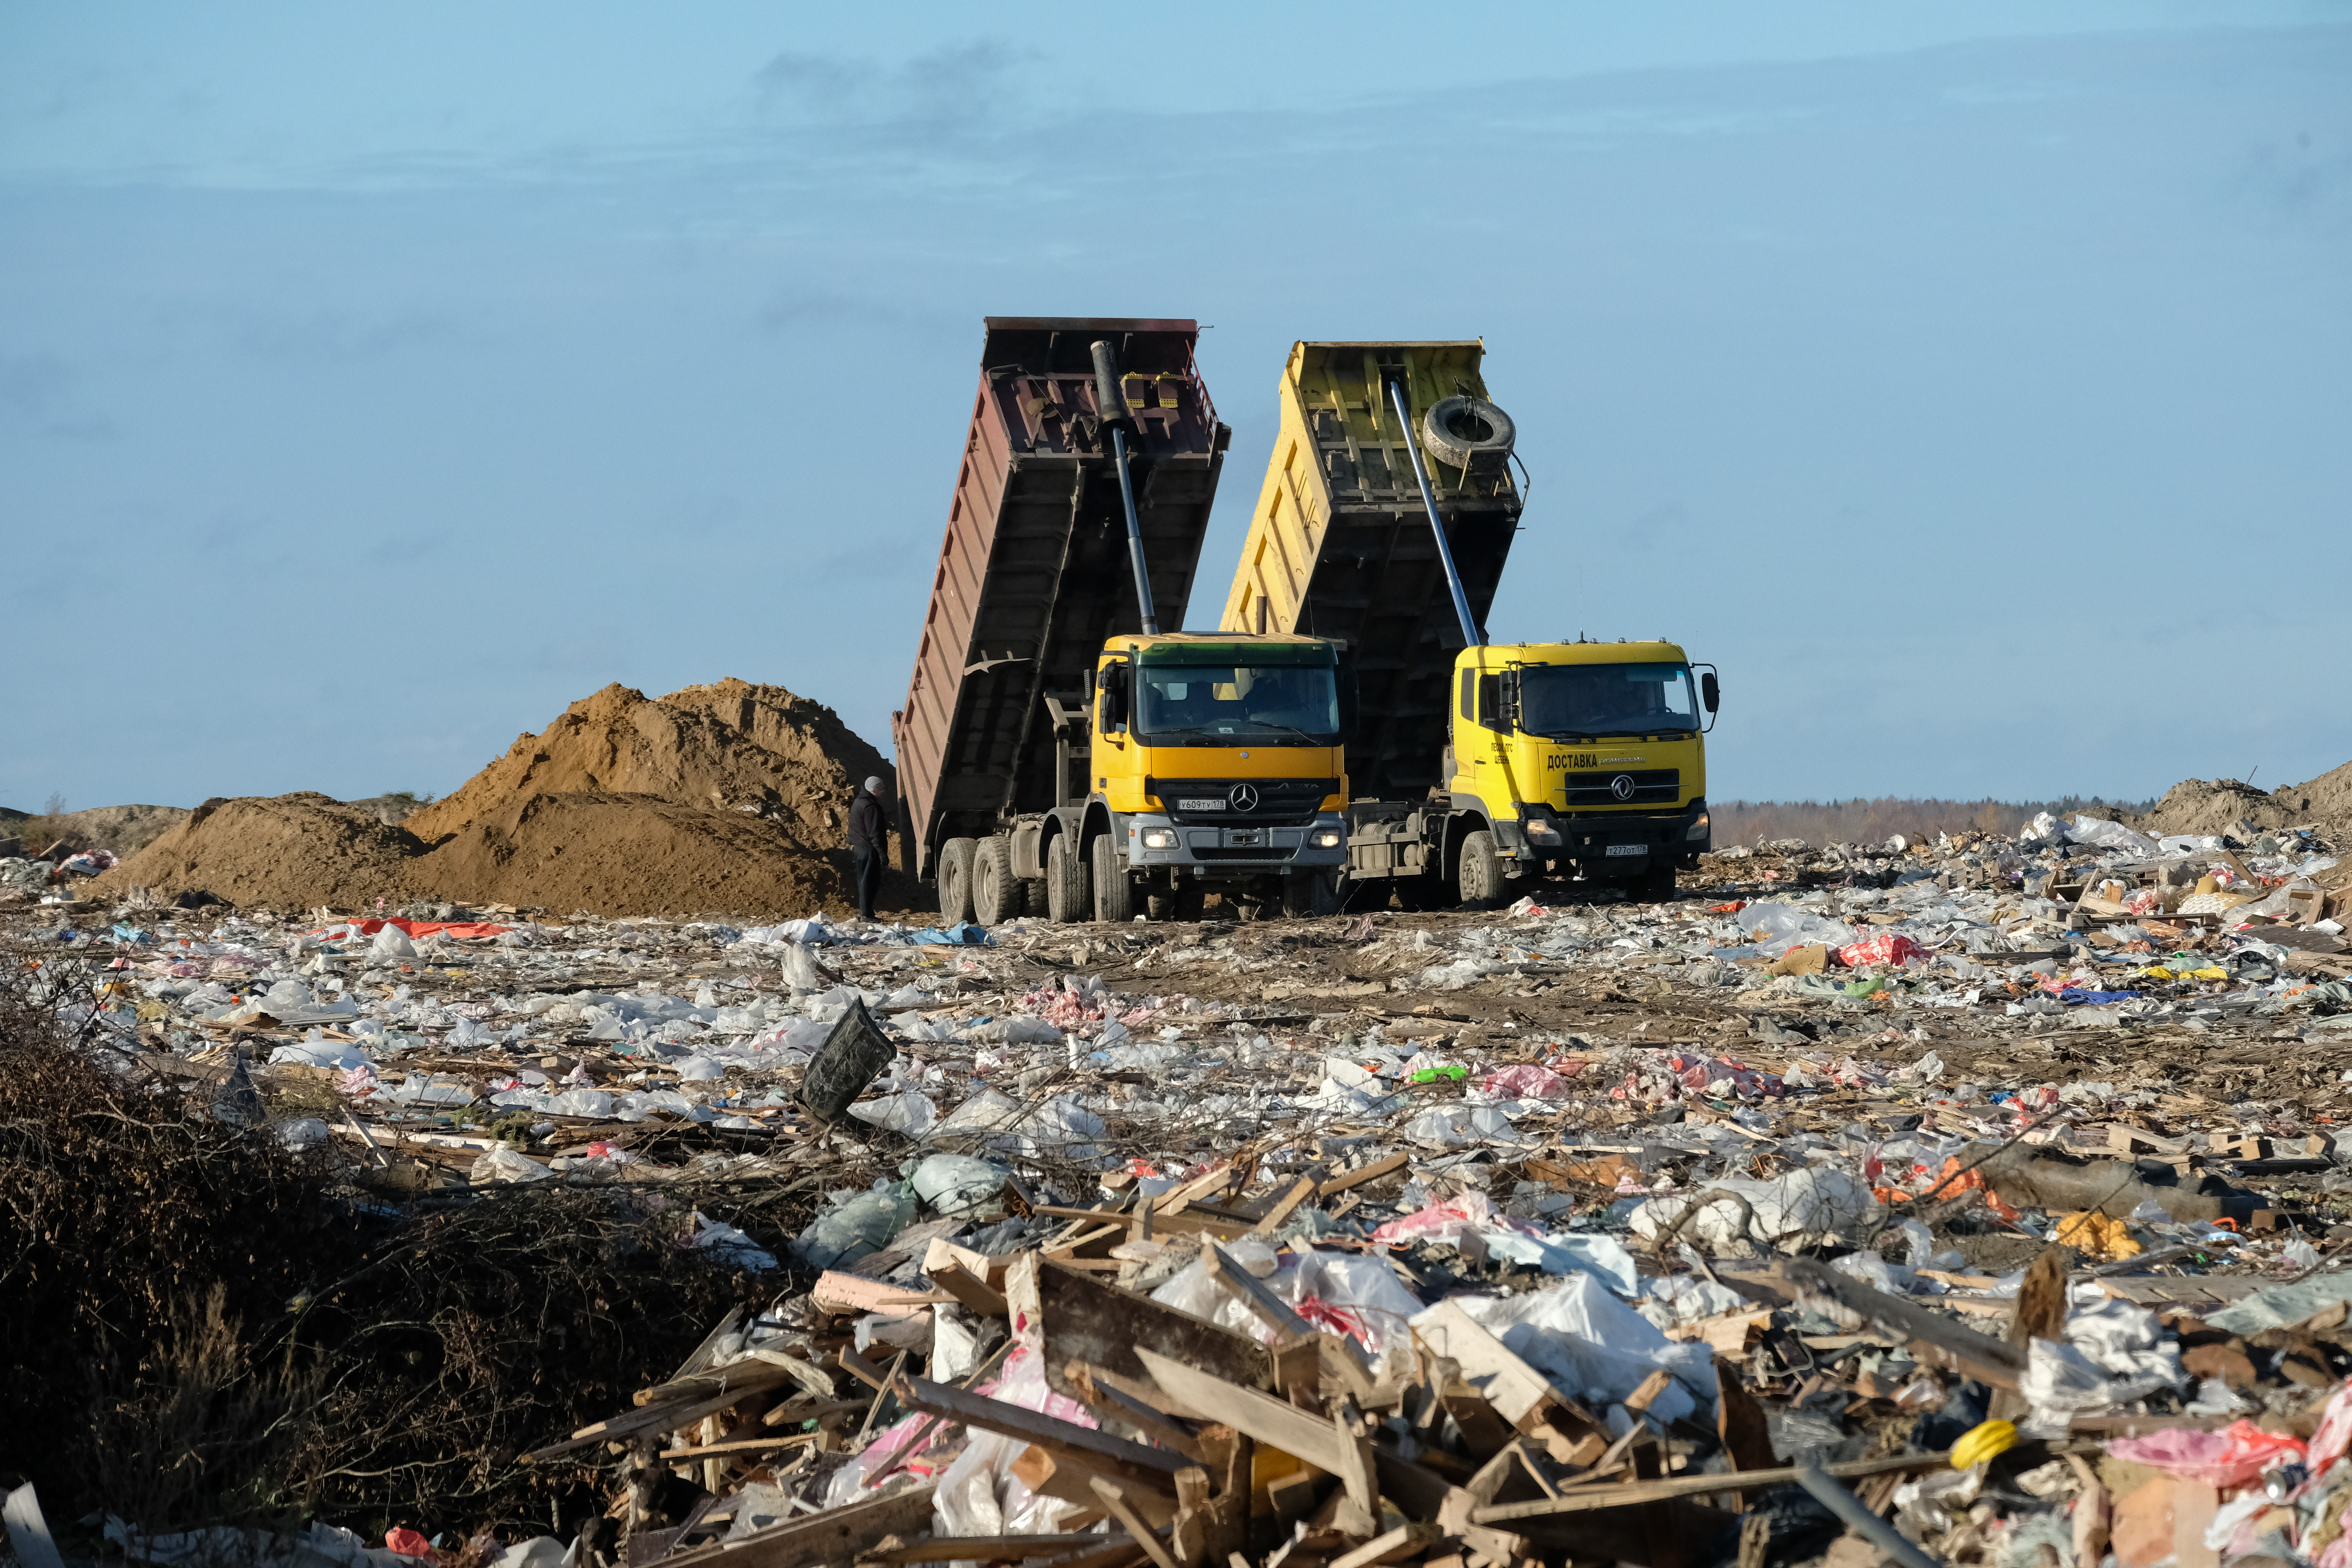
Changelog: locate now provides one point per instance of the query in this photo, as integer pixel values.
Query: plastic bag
(847, 1232)
(1890, 948)
(1817, 1201)
(953, 1183)
(1595, 1347)
(909, 1112)
(504, 1164)
(2232, 1457)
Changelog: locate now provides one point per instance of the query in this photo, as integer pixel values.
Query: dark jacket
(869, 823)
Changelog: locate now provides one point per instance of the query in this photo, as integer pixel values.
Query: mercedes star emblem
(1243, 798)
(1621, 786)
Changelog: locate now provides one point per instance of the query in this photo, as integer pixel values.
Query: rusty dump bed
(1340, 546)
(1034, 573)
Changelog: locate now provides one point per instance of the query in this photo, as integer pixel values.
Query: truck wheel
(995, 891)
(1033, 897)
(1308, 894)
(955, 881)
(1482, 870)
(1658, 880)
(1114, 894)
(1067, 899)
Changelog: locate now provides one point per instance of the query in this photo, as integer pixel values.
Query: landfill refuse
(1591, 1228)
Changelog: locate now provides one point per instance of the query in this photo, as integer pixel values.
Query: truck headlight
(1538, 831)
(1159, 838)
(1697, 827)
(1327, 838)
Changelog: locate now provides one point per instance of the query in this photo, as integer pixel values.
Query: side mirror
(1710, 691)
(1112, 683)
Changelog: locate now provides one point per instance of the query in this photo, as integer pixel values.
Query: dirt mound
(2327, 801)
(2212, 806)
(615, 854)
(723, 747)
(725, 799)
(290, 852)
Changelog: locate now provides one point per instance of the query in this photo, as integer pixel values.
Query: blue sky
(1970, 383)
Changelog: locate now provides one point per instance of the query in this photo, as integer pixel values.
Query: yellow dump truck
(1058, 755)
(1390, 493)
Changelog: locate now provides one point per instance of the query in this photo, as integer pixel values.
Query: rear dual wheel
(1068, 896)
(955, 881)
(997, 895)
(1114, 894)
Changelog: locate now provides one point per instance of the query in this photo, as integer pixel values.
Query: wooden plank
(1100, 1452)
(1274, 1422)
(837, 1535)
(1404, 1540)
(1090, 1321)
(1518, 1392)
(1115, 1503)
(975, 1293)
(1937, 1340)
(1630, 1494)
(991, 1548)
(1357, 1178)
(1300, 1191)
(656, 1417)
(1264, 1305)
(1107, 1398)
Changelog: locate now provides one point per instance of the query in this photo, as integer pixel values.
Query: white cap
(873, 786)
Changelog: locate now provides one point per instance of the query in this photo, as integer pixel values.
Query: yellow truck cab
(1213, 763)
(1589, 756)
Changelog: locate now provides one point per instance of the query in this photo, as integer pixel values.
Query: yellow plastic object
(1983, 1443)
(2095, 1233)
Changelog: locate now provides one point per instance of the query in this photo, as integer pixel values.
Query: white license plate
(1200, 804)
(1627, 849)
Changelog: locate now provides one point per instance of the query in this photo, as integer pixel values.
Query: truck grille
(1220, 803)
(1644, 787)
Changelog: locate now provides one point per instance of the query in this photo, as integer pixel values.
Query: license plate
(1627, 849)
(1217, 804)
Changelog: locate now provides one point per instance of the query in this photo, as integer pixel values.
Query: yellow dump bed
(1340, 546)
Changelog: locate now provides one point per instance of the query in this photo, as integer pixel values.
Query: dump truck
(1058, 753)
(1384, 522)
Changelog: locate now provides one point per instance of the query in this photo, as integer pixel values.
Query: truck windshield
(1596, 699)
(1225, 705)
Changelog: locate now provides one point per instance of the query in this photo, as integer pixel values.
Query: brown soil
(616, 854)
(717, 747)
(717, 799)
(2212, 806)
(290, 852)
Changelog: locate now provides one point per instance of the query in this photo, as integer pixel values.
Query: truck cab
(1582, 757)
(1200, 763)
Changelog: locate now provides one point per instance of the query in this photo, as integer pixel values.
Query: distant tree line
(1861, 821)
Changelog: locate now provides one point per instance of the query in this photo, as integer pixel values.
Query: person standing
(869, 844)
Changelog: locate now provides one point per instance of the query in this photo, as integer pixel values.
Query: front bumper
(1586, 837)
(1318, 845)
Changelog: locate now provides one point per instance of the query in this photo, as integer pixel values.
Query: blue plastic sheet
(963, 934)
(2072, 997)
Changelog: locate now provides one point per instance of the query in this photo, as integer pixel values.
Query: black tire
(1185, 901)
(1309, 895)
(1068, 899)
(1462, 430)
(1114, 894)
(996, 894)
(1481, 873)
(1657, 883)
(1033, 897)
(955, 881)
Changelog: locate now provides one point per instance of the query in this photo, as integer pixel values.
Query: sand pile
(2214, 805)
(726, 799)
(718, 747)
(287, 852)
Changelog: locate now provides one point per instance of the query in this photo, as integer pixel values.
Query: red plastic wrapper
(1891, 950)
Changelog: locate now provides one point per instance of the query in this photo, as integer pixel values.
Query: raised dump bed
(1034, 573)
(1340, 546)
